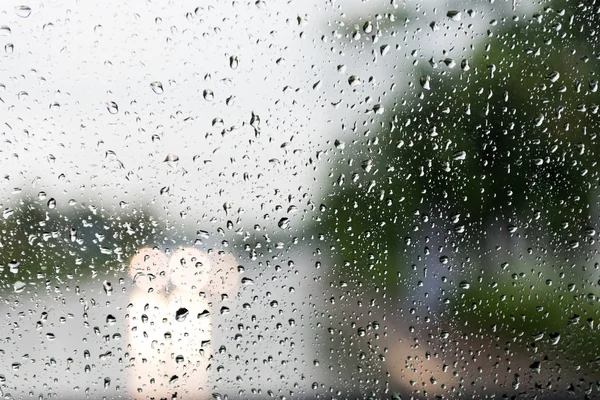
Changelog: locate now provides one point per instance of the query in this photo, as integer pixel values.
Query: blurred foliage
(39, 244)
(500, 148)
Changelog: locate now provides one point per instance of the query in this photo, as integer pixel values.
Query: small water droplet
(181, 314)
(247, 281)
(14, 266)
(553, 77)
(5, 30)
(208, 95)
(233, 62)
(425, 82)
(52, 204)
(9, 48)
(539, 120)
(19, 286)
(157, 87)
(108, 289)
(464, 65)
(459, 156)
(218, 122)
(112, 107)
(284, 223)
(354, 80)
(172, 160)
(454, 15)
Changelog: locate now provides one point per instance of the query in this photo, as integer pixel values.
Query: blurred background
(407, 195)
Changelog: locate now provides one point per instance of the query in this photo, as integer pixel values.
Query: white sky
(96, 52)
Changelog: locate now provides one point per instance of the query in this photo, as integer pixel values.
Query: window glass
(299, 199)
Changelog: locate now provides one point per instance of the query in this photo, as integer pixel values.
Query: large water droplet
(23, 11)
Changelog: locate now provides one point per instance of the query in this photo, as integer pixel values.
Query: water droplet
(247, 281)
(218, 122)
(14, 266)
(354, 80)
(112, 107)
(383, 50)
(172, 160)
(23, 11)
(459, 156)
(464, 65)
(52, 204)
(108, 289)
(9, 48)
(553, 77)
(157, 87)
(425, 82)
(5, 30)
(19, 286)
(233, 62)
(454, 15)
(539, 120)
(284, 223)
(181, 314)
(554, 338)
(208, 95)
